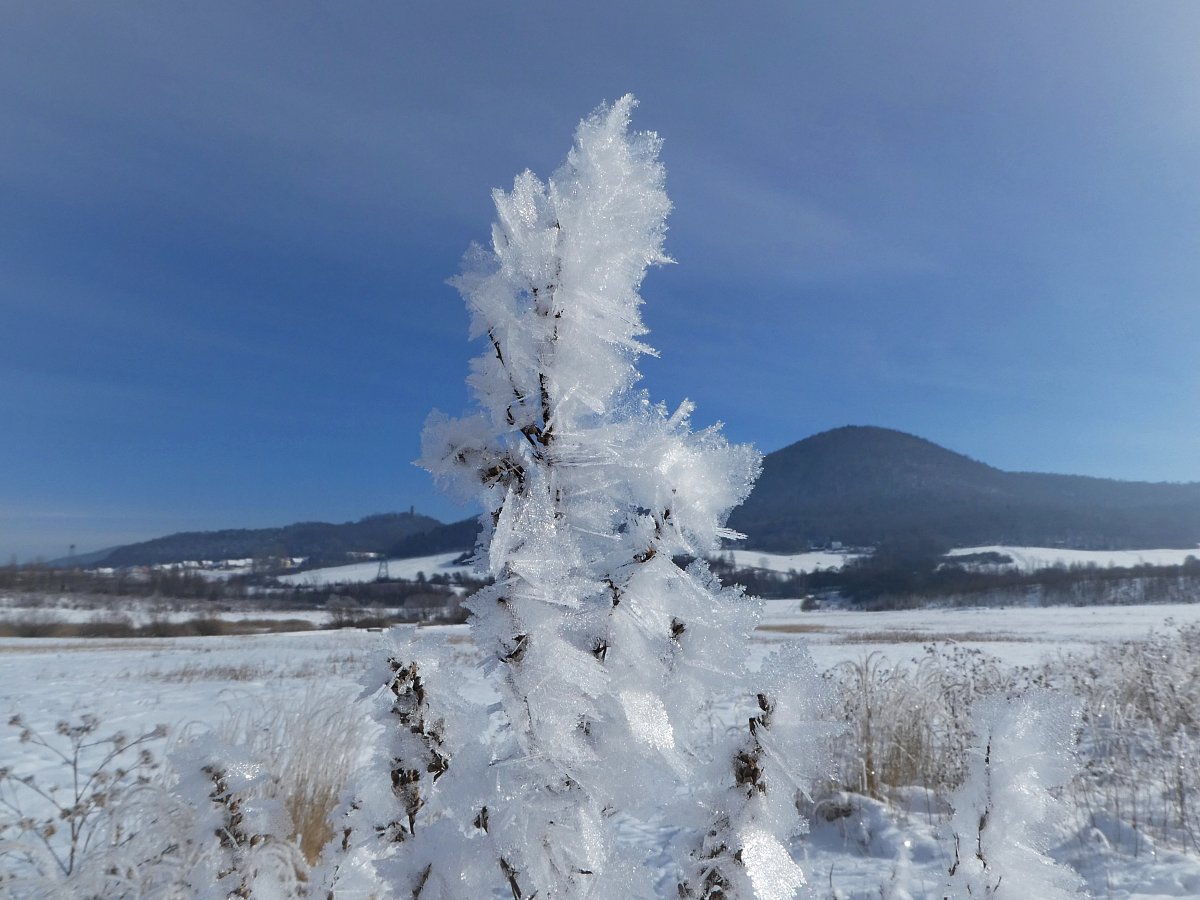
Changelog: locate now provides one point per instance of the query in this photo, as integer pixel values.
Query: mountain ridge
(317, 541)
(859, 485)
(866, 485)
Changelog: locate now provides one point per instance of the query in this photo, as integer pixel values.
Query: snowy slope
(440, 564)
(1030, 558)
(1026, 559)
(824, 560)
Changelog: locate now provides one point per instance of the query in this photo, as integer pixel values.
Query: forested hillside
(859, 485)
(867, 486)
(316, 540)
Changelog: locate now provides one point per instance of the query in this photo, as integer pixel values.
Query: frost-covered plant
(911, 724)
(412, 754)
(94, 833)
(54, 828)
(1140, 734)
(1004, 812)
(233, 842)
(237, 812)
(306, 747)
(603, 646)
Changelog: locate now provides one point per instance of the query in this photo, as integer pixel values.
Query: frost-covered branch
(603, 649)
(1004, 812)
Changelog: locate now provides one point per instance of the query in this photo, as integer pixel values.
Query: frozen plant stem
(604, 648)
(1004, 812)
(96, 783)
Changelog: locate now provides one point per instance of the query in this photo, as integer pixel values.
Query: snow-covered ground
(1029, 559)
(1017, 635)
(189, 683)
(1026, 559)
(812, 561)
(141, 611)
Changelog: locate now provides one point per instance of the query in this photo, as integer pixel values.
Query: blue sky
(225, 230)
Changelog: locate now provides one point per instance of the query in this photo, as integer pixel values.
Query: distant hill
(458, 536)
(865, 486)
(319, 541)
(96, 557)
(860, 485)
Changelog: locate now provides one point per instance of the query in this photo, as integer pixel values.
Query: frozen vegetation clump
(241, 811)
(88, 831)
(1004, 813)
(604, 633)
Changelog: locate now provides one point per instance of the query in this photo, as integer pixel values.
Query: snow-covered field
(1017, 635)
(190, 684)
(800, 563)
(141, 612)
(1029, 559)
(428, 566)
(175, 680)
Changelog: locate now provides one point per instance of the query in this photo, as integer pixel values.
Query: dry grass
(309, 741)
(795, 628)
(200, 626)
(903, 636)
(333, 665)
(190, 672)
(898, 635)
(909, 724)
(78, 647)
